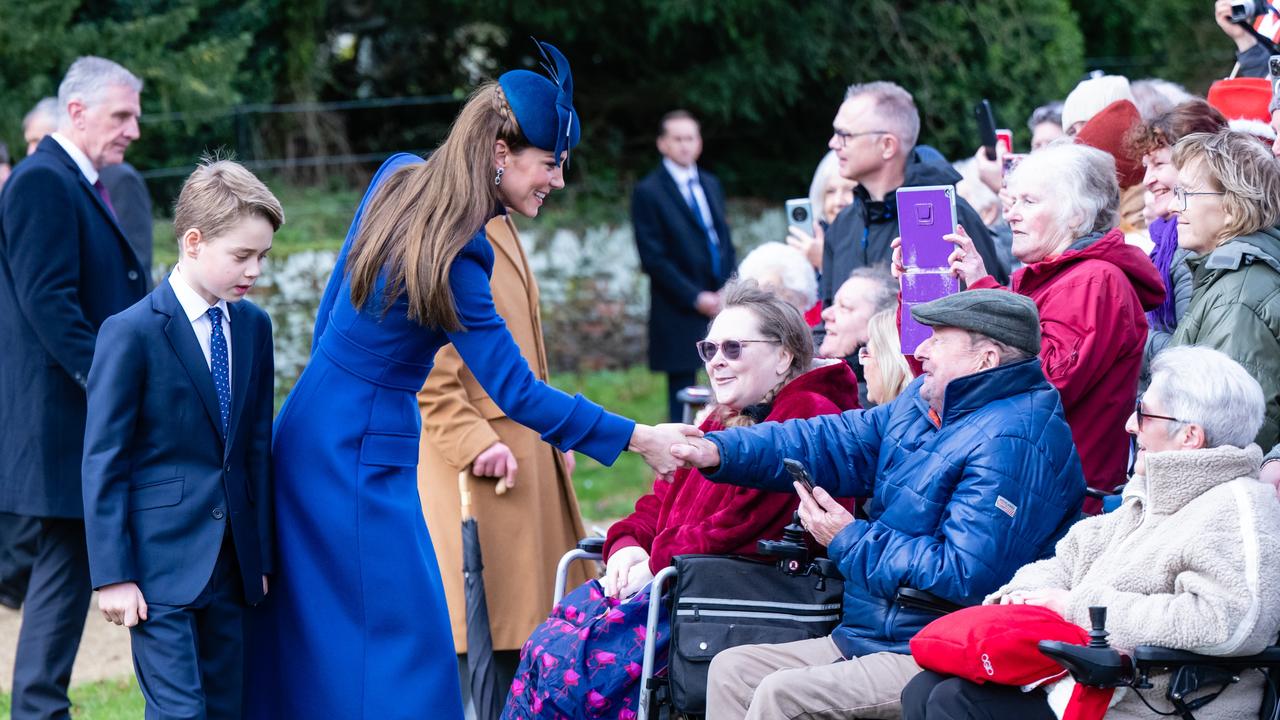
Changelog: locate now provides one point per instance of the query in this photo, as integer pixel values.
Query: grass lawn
(105, 700)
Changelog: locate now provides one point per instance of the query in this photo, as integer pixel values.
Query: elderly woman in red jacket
(759, 358)
(1092, 291)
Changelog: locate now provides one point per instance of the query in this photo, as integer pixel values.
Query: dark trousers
(677, 381)
(933, 696)
(56, 603)
(19, 541)
(190, 658)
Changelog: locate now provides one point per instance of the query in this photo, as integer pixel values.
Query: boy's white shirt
(197, 311)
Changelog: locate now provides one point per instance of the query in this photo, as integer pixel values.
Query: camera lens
(799, 214)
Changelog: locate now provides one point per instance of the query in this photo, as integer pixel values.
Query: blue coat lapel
(183, 340)
(241, 363)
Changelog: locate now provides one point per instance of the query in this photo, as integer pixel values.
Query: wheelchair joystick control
(1098, 635)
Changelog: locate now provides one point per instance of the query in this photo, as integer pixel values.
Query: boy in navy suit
(177, 456)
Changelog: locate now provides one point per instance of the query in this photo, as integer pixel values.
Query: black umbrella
(480, 668)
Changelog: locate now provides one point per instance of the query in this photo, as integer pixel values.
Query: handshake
(671, 446)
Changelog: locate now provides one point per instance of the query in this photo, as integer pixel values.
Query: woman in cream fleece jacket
(1190, 560)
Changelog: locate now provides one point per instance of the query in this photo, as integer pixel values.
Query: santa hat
(1245, 102)
(1106, 132)
(1091, 96)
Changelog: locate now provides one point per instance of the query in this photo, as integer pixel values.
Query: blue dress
(355, 626)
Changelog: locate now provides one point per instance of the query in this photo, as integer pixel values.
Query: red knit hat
(999, 644)
(1244, 102)
(1106, 131)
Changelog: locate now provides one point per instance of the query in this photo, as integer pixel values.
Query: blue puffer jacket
(955, 508)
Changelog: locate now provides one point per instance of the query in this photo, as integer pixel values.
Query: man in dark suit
(132, 203)
(684, 243)
(65, 267)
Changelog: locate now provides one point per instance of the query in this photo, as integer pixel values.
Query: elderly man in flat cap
(971, 474)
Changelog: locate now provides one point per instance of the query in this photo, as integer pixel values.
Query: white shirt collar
(192, 304)
(82, 160)
(682, 175)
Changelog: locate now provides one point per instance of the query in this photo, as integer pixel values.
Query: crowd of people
(1116, 330)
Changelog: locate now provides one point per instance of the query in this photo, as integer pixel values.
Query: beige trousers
(807, 679)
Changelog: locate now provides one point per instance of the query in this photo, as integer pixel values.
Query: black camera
(1246, 11)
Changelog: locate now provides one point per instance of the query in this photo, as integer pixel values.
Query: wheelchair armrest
(1096, 666)
(591, 545)
(1100, 494)
(925, 601)
(1151, 656)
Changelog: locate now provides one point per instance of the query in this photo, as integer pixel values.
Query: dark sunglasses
(1137, 410)
(732, 349)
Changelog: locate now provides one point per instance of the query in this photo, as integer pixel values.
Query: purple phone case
(919, 288)
(925, 214)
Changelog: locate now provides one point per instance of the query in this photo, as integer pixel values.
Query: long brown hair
(422, 216)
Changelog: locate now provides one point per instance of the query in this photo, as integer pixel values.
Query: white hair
(1084, 182)
(1204, 386)
(1154, 96)
(88, 79)
(46, 109)
(827, 169)
(894, 107)
(774, 260)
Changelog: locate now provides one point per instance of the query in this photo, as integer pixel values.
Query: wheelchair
(801, 597)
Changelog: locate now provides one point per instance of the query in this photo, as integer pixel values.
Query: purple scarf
(1164, 234)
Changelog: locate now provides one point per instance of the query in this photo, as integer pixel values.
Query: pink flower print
(596, 701)
(634, 670)
(571, 613)
(537, 650)
(549, 661)
(584, 633)
(537, 704)
(614, 616)
(627, 714)
(571, 677)
(594, 593)
(517, 687)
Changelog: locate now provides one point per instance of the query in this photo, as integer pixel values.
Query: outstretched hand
(697, 452)
(655, 442)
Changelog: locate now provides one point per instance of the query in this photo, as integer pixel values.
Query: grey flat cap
(1001, 315)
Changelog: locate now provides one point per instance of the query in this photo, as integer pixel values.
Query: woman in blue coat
(355, 625)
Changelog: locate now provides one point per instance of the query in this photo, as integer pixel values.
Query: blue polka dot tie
(218, 366)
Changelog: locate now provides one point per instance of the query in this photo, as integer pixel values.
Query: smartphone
(1273, 74)
(925, 215)
(1004, 138)
(800, 214)
(798, 473)
(986, 127)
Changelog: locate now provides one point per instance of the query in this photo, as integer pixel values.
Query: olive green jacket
(1235, 308)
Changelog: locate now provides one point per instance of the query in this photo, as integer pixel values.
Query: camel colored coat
(523, 532)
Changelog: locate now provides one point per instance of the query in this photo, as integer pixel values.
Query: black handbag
(722, 602)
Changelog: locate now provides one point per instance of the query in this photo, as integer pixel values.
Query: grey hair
(47, 108)
(884, 293)
(1047, 113)
(1083, 177)
(1154, 96)
(1008, 354)
(88, 79)
(1204, 386)
(791, 268)
(894, 107)
(827, 169)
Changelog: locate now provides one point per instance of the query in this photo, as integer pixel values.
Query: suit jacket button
(218, 514)
(133, 274)
(227, 468)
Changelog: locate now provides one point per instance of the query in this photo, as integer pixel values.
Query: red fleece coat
(694, 515)
(1093, 324)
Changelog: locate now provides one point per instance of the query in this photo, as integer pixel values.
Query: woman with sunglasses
(1228, 204)
(758, 355)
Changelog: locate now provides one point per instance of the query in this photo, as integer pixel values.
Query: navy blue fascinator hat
(544, 106)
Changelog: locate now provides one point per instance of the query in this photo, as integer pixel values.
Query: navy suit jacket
(160, 483)
(65, 267)
(674, 253)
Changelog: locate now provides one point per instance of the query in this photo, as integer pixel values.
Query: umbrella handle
(500, 488)
(464, 492)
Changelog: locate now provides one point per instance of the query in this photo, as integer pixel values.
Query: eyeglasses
(843, 138)
(1137, 410)
(1180, 195)
(732, 349)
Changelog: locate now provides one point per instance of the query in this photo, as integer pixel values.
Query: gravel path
(104, 648)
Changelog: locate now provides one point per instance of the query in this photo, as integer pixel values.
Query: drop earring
(497, 176)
